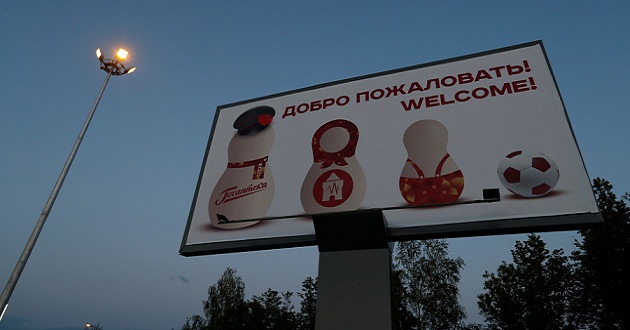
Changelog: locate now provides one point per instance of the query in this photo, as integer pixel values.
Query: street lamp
(92, 326)
(112, 67)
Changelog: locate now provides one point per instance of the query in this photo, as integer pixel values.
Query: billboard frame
(476, 228)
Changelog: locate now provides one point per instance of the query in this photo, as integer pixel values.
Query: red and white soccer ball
(528, 173)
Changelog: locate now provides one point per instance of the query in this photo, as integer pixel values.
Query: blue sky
(109, 251)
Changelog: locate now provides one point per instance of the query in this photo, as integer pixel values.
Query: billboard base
(354, 290)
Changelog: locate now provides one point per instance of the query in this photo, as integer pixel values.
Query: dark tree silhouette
(602, 297)
(429, 280)
(308, 305)
(542, 290)
(225, 306)
(532, 292)
(271, 310)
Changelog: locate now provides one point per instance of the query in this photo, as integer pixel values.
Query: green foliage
(308, 305)
(428, 281)
(547, 290)
(226, 300)
(603, 265)
(271, 310)
(402, 317)
(532, 292)
(224, 307)
(227, 309)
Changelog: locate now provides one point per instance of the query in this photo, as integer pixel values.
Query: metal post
(354, 291)
(17, 271)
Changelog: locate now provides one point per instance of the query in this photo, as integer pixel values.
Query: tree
(227, 309)
(402, 317)
(308, 305)
(532, 292)
(271, 310)
(603, 265)
(225, 306)
(429, 280)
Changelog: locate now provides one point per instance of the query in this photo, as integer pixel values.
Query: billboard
(421, 143)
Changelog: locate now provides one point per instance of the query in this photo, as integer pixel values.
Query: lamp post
(112, 67)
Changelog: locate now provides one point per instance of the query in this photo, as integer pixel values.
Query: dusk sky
(108, 253)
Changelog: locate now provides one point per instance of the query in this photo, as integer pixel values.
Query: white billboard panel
(438, 133)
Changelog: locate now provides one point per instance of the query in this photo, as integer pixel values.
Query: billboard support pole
(354, 290)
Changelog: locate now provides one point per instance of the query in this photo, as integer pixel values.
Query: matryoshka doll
(246, 188)
(430, 175)
(335, 181)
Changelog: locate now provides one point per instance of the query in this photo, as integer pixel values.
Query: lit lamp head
(99, 54)
(114, 66)
(122, 54)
